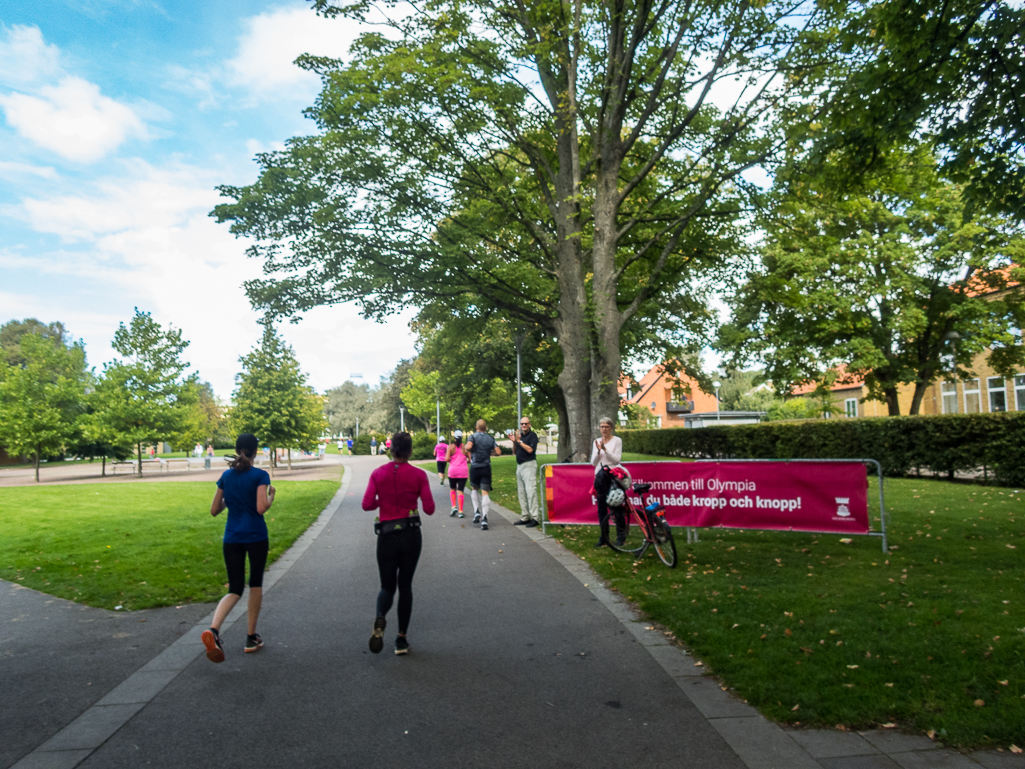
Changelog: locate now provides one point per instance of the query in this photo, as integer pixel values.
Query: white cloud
(10, 169)
(272, 42)
(26, 58)
(72, 119)
(144, 239)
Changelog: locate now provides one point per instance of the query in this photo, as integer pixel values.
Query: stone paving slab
(760, 743)
(829, 743)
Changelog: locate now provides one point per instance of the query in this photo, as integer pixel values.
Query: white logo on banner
(841, 506)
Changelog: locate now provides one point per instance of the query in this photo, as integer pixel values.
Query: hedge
(991, 443)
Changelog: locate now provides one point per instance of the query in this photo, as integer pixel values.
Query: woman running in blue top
(246, 492)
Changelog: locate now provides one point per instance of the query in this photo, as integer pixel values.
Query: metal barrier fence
(692, 531)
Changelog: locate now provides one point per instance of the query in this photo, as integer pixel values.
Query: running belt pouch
(390, 527)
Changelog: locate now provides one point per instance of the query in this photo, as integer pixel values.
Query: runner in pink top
(439, 454)
(458, 472)
(395, 489)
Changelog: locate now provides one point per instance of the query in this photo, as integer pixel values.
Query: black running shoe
(253, 643)
(476, 517)
(377, 639)
(484, 525)
(401, 645)
(214, 649)
(531, 524)
(521, 522)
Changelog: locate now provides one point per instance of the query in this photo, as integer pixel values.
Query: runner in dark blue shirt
(247, 494)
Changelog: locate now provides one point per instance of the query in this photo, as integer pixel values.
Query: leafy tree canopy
(871, 282)
(41, 396)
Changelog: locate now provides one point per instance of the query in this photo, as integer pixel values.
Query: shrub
(994, 443)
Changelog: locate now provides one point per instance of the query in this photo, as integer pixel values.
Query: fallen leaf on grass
(931, 734)
(795, 708)
(888, 726)
(980, 703)
(1015, 749)
(788, 632)
(1004, 683)
(699, 664)
(852, 667)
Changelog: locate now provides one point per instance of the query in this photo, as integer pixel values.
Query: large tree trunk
(290, 459)
(916, 399)
(36, 463)
(892, 404)
(273, 457)
(103, 467)
(138, 450)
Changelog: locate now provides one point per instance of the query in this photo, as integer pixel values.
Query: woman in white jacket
(607, 451)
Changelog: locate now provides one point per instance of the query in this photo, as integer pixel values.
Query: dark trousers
(603, 520)
(235, 560)
(397, 556)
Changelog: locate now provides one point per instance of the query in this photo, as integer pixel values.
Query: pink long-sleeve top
(394, 489)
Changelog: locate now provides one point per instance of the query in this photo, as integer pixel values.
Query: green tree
(272, 400)
(145, 396)
(949, 74)
(41, 396)
(564, 163)
(871, 281)
(422, 396)
(203, 419)
(12, 332)
(347, 406)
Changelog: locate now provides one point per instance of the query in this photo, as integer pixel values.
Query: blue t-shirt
(244, 523)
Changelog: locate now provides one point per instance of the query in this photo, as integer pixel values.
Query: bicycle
(651, 529)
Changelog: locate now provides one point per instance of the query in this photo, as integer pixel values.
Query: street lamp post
(402, 418)
(438, 417)
(519, 338)
(717, 385)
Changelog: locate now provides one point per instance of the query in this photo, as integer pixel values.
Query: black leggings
(397, 555)
(235, 560)
(456, 484)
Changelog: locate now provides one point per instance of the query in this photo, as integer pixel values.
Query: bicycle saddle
(641, 488)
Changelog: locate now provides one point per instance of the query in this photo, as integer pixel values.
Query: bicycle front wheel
(664, 544)
(629, 539)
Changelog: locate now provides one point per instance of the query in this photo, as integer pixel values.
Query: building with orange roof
(670, 398)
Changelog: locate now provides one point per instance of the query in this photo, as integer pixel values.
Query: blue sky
(117, 120)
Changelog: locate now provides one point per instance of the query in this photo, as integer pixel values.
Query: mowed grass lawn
(813, 632)
(135, 545)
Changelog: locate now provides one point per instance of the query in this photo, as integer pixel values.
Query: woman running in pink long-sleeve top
(395, 489)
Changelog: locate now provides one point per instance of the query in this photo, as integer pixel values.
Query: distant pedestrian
(348, 443)
(247, 494)
(440, 450)
(525, 448)
(458, 472)
(197, 450)
(210, 450)
(480, 448)
(395, 489)
(373, 445)
(387, 445)
(341, 445)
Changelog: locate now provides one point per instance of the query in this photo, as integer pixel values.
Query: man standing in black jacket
(525, 444)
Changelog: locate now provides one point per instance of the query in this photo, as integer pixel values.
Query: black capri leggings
(397, 555)
(456, 484)
(235, 560)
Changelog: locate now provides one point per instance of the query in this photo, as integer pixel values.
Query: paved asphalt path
(514, 663)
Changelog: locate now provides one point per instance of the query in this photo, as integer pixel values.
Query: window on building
(972, 397)
(997, 393)
(1019, 392)
(851, 407)
(949, 390)
(629, 394)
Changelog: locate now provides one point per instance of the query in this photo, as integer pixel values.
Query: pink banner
(799, 496)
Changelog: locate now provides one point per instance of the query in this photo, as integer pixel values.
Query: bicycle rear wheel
(633, 542)
(664, 544)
